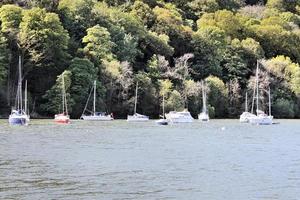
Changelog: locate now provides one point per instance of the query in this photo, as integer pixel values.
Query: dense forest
(167, 46)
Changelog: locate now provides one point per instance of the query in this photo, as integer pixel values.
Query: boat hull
(245, 117)
(265, 120)
(18, 120)
(163, 122)
(97, 118)
(134, 118)
(179, 117)
(62, 119)
(203, 117)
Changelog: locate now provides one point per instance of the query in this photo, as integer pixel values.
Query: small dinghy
(162, 122)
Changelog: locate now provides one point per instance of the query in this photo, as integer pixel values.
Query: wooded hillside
(169, 46)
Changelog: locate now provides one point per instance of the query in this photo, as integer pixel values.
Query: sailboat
(163, 121)
(246, 116)
(95, 116)
(19, 115)
(261, 118)
(180, 117)
(203, 116)
(136, 117)
(63, 118)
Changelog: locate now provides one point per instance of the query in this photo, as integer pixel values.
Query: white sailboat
(63, 118)
(136, 117)
(19, 116)
(95, 116)
(203, 116)
(245, 116)
(261, 118)
(180, 117)
(163, 121)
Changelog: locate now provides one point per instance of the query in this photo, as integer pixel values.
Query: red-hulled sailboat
(63, 118)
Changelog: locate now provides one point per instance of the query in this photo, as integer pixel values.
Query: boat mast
(136, 91)
(163, 106)
(94, 102)
(257, 89)
(246, 103)
(19, 93)
(63, 94)
(25, 100)
(203, 97)
(270, 102)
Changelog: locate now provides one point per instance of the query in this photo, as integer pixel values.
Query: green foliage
(10, 17)
(143, 12)
(168, 45)
(83, 75)
(175, 101)
(203, 6)
(98, 43)
(283, 5)
(218, 96)
(4, 59)
(284, 108)
(283, 68)
(53, 97)
(239, 59)
(223, 19)
(43, 37)
(208, 44)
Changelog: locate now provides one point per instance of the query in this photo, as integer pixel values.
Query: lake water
(221, 160)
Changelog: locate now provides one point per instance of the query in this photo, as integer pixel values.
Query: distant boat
(95, 116)
(163, 121)
(203, 116)
(261, 118)
(19, 115)
(246, 116)
(63, 118)
(180, 117)
(136, 117)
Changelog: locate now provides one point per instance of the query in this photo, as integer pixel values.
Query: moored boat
(95, 116)
(246, 116)
(261, 118)
(136, 117)
(63, 118)
(163, 121)
(204, 116)
(179, 117)
(19, 115)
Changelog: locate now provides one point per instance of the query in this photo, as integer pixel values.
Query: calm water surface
(222, 160)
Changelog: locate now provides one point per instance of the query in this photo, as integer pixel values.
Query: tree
(203, 6)
(284, 108)
(208, 46)
(83, 75)
(77, 16)
(53, 97)
(283, 5)
(218, 96)
(4, 59)
(98, 43)
(224, 20)
(143, 12)
(49, 5)
(175, 101)
(44, 38)
(10, 17)
(239, 59)
(284, 69)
